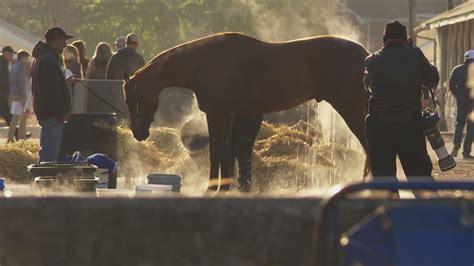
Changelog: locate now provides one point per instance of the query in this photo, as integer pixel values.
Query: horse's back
(330, 45)
(230, 40)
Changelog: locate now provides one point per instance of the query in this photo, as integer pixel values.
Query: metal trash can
(63, 177)
(90, 134)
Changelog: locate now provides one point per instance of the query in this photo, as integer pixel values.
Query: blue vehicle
(429, 231)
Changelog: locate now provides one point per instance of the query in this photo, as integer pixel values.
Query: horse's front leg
(227, 159)
(217, 124)
(215, 135)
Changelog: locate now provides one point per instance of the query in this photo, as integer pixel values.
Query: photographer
(395, 75)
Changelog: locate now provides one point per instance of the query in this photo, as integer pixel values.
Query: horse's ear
(126, 76)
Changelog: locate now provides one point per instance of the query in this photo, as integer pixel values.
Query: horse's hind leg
(227, 161)
(246, 131)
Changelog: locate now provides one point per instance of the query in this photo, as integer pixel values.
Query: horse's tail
(367, 169)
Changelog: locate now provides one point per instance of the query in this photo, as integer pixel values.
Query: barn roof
(458, 14)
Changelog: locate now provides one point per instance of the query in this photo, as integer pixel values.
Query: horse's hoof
(244, 189)
(210, 194)
(244, 186)
(224, 189)
(211, 191)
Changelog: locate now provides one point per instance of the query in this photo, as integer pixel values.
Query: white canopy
(16, 37)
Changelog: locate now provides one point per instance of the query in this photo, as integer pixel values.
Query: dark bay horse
(234, 74)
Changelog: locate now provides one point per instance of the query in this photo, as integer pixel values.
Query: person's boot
(455, 150)
(27, 134)
(467, 156)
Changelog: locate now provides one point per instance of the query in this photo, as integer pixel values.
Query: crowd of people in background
(29, 86)
(16, 99)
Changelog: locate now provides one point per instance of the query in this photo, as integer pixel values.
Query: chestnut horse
(234, 74)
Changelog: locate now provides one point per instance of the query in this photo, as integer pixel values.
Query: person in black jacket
(458, 85)
(395, 75)
(126, 59)
(5, 59)
(51, 98)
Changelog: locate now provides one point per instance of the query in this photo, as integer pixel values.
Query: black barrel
(90, 134)
(51, 177)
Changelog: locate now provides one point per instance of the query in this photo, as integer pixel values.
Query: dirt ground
(463, 171)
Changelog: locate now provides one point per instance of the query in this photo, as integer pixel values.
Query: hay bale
(266, 130)
(284, 156)
(165, 138)
(294, 157)
(281, 145)
(138, 159)
(15, 157)
(312, 132)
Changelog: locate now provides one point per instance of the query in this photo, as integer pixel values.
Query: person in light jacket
(19, 82)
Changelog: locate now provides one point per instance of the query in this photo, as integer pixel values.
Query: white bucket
(103, 193)
(154, 189)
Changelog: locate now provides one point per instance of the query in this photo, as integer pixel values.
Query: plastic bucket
(165, 179)
(153, 189)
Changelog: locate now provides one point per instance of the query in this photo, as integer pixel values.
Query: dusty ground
(463, 171)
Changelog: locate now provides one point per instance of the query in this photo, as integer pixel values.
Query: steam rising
(276, 21)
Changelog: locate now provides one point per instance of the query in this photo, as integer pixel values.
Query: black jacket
(51, 96)
(125, 59)
(396, 75)
(4, 72)
(457, 84)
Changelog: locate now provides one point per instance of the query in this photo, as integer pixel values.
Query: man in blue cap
(460, 88)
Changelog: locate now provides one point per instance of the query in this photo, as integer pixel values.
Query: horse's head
(142, 103)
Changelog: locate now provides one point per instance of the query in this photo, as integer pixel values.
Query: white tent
(16, 37)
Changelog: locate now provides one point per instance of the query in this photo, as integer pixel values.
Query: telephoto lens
(445, 160)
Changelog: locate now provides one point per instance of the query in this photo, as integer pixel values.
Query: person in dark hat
(5, 59)
(120, 43)
(51, 98)
(395, 76)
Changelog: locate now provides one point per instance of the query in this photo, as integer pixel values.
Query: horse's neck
(171, 71)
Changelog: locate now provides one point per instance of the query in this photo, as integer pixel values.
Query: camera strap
(433, 97)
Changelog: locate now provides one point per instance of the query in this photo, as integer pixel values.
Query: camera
(429, 120)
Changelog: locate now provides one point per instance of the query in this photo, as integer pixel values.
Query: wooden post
(412, 19)
(450, 4)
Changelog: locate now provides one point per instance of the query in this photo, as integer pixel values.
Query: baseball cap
(8, 49)
(469, 54)
(132, 38)
(55, 32)
(120, 41)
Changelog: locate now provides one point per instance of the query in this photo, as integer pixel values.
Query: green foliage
(162, 24)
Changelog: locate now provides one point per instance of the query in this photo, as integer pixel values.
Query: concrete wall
(157, 231)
